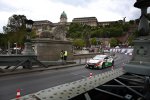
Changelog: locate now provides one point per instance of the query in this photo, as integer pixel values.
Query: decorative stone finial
(142, 3)
(143, 27)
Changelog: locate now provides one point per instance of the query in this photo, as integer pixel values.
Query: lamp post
(141, 54)
(28, 50)
(124, 20)
(140, 63)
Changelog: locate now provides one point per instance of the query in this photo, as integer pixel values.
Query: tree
(93, 41)
(86, 35)
(131, 22)
(78, 43)
(132, 37)
(130, 40)
(115, 31)
(3, 40)
(113, 42)
(98, 32)
(125, 27)
(15, 23)
(16, 30)
(75, 30)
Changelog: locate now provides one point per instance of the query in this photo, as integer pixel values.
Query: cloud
(75, 2)
(5, 7)
(104, 10)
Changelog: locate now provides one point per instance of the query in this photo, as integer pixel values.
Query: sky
(103, 10)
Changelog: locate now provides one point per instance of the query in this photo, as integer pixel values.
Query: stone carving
(60, 32)
(143, 28)
(142, 51)
(57, 33)
(46, 34)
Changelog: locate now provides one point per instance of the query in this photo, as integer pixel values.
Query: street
(34, 82)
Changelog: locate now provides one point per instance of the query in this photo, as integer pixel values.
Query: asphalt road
(36, 81)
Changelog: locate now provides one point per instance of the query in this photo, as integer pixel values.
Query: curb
(39, 69)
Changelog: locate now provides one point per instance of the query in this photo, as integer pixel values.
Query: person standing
(65, 55)
(62, 55)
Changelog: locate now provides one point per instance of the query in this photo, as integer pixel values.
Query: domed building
(63, 18)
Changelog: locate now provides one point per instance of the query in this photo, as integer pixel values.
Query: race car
(100, 62)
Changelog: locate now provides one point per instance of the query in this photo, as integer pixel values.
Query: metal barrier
(73, 89)
(15, 61)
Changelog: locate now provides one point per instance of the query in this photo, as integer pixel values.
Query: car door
(106, 61)
(109, 61)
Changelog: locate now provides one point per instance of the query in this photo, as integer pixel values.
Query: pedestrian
(62, 55)
(65, 56)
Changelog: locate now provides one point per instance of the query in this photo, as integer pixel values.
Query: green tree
(115, 31)
(131, 22)
(130, 40)
(125, 27)
(3, 40)
(98, 32)
(75, 30)
(86, 35)
(78, 43)
(16, 30)
(15, 23)
(93, 41)
(113, 42)
(132, 37)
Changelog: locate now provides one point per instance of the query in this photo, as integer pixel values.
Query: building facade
(42, 25)
(91, 21)
(48, 26)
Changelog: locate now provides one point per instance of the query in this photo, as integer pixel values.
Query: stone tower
(63, 18)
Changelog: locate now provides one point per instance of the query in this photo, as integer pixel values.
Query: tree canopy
(85, 32)
(77, 30)
(15, 23)
(113, 42)
(15, 30)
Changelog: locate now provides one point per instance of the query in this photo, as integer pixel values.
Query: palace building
(92, 21)
(48, 26)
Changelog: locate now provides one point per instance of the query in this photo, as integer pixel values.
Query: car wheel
(103, 65)
(86, 66)
(112, 63)
(99, 67)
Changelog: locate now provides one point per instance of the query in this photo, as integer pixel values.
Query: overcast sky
(104, 10)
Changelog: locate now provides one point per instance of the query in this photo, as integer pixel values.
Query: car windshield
(99, 57)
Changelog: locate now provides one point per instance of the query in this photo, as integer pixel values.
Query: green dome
(63, 15)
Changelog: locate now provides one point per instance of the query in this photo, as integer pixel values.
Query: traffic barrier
(18, 94)
(91, 75)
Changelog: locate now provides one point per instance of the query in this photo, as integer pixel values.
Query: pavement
(51, 65)
(39, 68)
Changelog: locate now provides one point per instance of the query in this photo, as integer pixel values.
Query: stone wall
(49, 50)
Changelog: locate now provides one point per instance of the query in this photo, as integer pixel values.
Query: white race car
(100, 62)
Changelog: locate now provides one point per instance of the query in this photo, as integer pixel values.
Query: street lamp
(29, 24)
(28, 50)
(140, 63)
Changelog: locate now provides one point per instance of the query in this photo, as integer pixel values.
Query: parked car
(100, 62)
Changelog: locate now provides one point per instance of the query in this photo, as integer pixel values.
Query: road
(34, 82)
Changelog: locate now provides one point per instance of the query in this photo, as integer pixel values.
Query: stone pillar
(140, 64)
(28, 50)
(49, 50)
